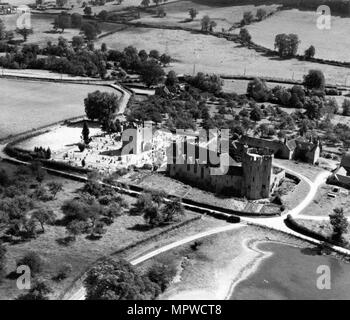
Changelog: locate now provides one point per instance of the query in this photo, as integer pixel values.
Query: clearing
(26, 105)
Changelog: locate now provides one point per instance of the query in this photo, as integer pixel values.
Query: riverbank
(213, 268)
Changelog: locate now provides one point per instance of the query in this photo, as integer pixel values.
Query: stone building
(296, 149)
(253, 178)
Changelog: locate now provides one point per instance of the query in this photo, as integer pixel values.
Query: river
(291, 273)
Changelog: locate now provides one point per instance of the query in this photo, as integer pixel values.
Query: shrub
(33, 261)
(64, 271)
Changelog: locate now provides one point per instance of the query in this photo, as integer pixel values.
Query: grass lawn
(330, 44)
(323, 205)
(27, 105)
(83, 252)
(182, 190)
(208, 54)
(322, 227)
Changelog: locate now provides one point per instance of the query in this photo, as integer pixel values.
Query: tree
(256, 114)
(88, 11)
(151, 73)
(86, 133)
(90, 31)
(2, 30)
(165, 59)
(245, 35)
(64, 271)
(143, 55)
(75, 228)
(104, 47)
(39, 291)
(346, 107)
(63, 21)
(247, 18)
(261, 14)
(77, 42)
(157, 2)
(205, 22)
(193, 13)
(310, 52)
(171, 79)
(287, 44)
(101, 106)
(33, 261)
(145, 3)
(258, 90)
(154, 54)
(118, 280)
(172, 209)
(24, 32)
(162, 274)
(314, 108)
(340, 224)
(212, 25)
(55, 187)
(314, 80)
(76, 20)
(2, 260)
(103, 15)
(43, 215)
(61, 3)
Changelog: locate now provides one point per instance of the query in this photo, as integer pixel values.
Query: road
(81, 292)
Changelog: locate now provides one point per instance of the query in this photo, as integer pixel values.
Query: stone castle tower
(257, 166)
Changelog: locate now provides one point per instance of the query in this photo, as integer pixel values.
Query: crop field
(197, 52)
(177, 14)
(330, 44)
(30, 104)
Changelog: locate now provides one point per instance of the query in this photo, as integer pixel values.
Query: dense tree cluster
(287, 44)
(119, 280)
(90, 212)
(22, 203)
(155, 210)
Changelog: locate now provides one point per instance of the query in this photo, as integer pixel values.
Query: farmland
(214, 55)
(330, 44)
(28, 104)
(177, 14)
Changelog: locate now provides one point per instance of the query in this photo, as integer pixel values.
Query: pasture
(225, 16)
(26, 105)
(196, 52)
(330, 44)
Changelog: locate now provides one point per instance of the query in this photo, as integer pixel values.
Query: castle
(294, 149)
(253, 178)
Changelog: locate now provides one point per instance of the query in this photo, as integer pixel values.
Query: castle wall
(256, 174)
(279, 149)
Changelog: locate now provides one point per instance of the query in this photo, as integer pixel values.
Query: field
(43, 28)
(225, 17)
(330, 44)
(196, 52)
(323, 205)
(30, 104)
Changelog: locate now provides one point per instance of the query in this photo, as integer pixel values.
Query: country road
(81, 292)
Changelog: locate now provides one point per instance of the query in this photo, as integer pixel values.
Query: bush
(33, 261)
(64, 272)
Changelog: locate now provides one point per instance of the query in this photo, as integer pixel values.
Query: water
(290, 273)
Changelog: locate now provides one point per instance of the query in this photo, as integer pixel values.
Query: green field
(27, 105)
(330, 44)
